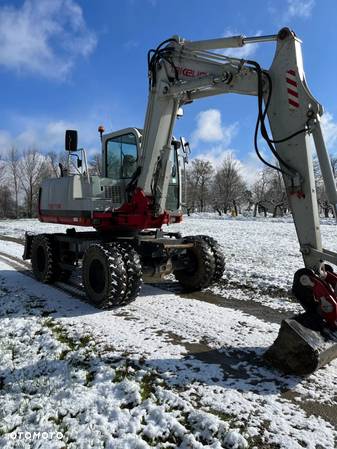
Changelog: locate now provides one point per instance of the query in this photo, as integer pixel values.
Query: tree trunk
(255, 209)
(278, 206)
(235, 208)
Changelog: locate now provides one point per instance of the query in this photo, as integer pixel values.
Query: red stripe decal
(293, 93)
(293, 103)
(292, 72)
(292, 82)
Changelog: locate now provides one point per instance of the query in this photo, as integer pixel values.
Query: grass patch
(226, 417)
(84, 341)
(63, 354)
(147, 385)
(61, 335)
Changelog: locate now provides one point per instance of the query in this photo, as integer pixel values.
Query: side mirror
(71, 140)
(175, 143)
(185, 146)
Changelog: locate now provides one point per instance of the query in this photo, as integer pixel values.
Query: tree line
(21, 174)
(224, 190)
(206, 189)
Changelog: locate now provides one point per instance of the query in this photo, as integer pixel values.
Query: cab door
(120, 159)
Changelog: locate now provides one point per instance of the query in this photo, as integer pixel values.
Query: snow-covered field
(169, 370)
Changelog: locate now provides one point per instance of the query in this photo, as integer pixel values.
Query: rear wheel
(200, 270)
(43, 259)
(104, 275)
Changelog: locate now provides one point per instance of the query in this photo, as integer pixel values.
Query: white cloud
(48, 135)
(210, 129)
(212, 141)
(5, 142)
(214, 154)
(244, 52)
(299, 9)
(44, 37)
(249, 167)
(329, 127)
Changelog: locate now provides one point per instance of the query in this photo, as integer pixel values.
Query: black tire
(104, 275)
(133, 269)
(43, 259)
(199, 274)
(219, 258)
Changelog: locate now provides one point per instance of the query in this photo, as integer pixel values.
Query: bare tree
(95, 164)
(322, 198)
(33, 168)
(2, 170)
(55, 159)
(260, 189)
(54, 163)
(198, 179)
(269, 193)
(229, 186)
(6, 202)
(13, 158)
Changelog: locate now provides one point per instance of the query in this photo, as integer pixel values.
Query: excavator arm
(184, 71)
(181, 71)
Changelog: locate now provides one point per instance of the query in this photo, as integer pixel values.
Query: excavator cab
(121, 152)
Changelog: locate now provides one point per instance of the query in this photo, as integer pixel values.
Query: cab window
(121, 156)
(172, 200)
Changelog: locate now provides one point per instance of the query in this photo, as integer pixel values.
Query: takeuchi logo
(190, 73)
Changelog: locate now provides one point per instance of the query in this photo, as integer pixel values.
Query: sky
(82, 63)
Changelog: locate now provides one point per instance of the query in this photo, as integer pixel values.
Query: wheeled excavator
(140, 191)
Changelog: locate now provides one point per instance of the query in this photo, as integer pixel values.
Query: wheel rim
(41, 259)
(97, 276)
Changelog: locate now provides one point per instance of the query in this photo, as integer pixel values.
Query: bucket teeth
(302, 346)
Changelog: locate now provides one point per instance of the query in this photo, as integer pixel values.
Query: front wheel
(104, 275)
(200, 265)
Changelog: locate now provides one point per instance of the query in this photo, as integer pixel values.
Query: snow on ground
(165, 371)
(262, 255)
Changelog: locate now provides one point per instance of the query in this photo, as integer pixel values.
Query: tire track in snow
(24, 268)
(250, 307)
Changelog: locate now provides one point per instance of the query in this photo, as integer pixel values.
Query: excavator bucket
(301, 348)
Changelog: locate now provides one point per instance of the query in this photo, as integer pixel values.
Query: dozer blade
(301, 347)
